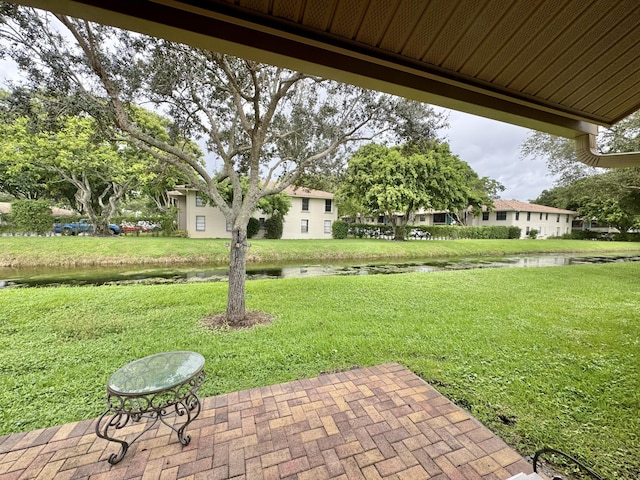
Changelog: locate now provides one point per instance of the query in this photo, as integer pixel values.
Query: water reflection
(199, 273)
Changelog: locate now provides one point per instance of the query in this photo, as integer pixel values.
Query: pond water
(29, 277)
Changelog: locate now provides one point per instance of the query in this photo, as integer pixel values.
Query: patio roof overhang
(558, 66)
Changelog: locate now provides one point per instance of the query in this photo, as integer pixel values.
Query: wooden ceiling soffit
(220, 27)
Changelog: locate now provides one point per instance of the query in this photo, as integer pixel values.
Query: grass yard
(543, 356)
(87, 251)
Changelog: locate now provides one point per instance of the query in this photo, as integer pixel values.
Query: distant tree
(623, 136)
(101, 173)
(560, 156)
(398, 181)
(611, 198)
(558, 197)
(462, 187)
(18, 179)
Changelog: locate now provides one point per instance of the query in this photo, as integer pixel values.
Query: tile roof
(292, 191)
(518, 206)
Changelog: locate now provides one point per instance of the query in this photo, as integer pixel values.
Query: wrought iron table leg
(117, 421)
(187, 407)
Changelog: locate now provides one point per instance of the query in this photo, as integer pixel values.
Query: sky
(490, 147)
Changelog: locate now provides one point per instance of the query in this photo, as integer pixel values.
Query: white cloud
(492, 149)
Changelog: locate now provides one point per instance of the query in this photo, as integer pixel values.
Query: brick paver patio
(381, 422)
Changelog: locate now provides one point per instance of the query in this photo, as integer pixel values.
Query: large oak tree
(263, 123)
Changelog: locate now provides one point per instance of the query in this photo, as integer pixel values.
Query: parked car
(130, 228)
(142, 226)
(82, 226)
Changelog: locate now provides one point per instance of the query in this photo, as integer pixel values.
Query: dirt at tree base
(251, 319)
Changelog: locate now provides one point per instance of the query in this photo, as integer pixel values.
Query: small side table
(152, 387)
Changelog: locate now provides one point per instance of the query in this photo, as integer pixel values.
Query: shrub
(630, 237)
(253, 227)
(580, 235)
(453, 232)
(533, 234)
(273, 227)
(514, 232)
(179, 234)
(32, 216)
(449, 232)
(363, 230)
(339, 229)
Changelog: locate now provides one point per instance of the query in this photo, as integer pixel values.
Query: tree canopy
(71, 160)
(264, 123)
(612, 197)
(398, 181)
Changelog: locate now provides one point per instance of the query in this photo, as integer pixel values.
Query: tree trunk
(399, 228)
(237, 275)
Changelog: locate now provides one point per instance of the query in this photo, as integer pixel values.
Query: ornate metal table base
(152, 388)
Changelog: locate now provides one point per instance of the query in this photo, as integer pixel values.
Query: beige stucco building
(548, 221)
(311, 215)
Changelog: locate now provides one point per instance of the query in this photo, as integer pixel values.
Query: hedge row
(457, 231)
(591, 235)
(361, 230)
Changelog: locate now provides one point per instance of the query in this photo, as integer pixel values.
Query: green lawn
(542, 356)
(70, 251)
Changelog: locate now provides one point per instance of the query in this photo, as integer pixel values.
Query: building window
(261, 220)
(200, 223)
(423, 218)
(305, 204)
(304, 226)
(327, 226)
(540, 216)
(485, 215)
(200, 201)
(501, 215)
(528, 216)
(228, 226)
(558, 219)
(546, 216)
(567, 219)
(327, 205)
(439, 218)
(527, 231)
(517, 216)
(380, 218)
